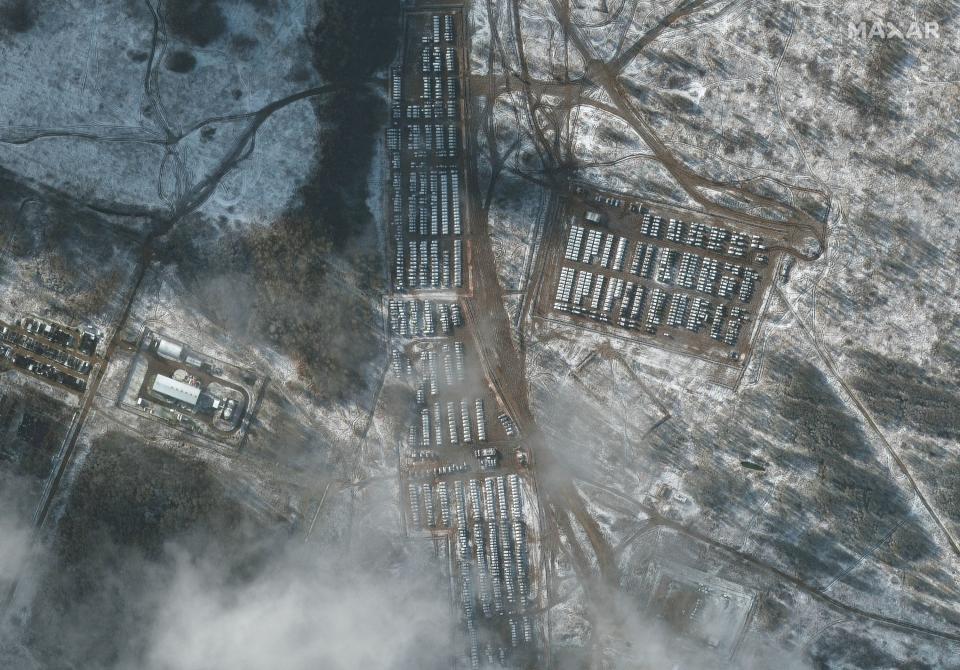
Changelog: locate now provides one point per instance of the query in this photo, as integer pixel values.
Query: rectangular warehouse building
(175, 390)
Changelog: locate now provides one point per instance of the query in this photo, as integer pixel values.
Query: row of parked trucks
(461, 417)
(708, 275)
(41, 368)
(490, 550)
(424, 144)
(419, 318)
(584, 293)
(48, 350)
(433, 202)
(482, 518)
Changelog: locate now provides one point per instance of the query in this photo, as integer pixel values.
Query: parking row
(424, 142)
(665, 265)
(423, 318)
(429, 265)
(717, 239)
(433, 206)
(449, 423)
(635, 306)
(40, 349)
(39, 368)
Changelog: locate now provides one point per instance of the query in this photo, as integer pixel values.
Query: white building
(169, 350)
(175, 390)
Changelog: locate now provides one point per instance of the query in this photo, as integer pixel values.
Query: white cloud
(299, 616)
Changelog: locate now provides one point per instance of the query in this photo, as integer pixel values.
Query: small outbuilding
(594, 217)
(169, 350)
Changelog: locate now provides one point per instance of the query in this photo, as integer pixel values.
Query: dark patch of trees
(18, 16)
(837, 502)
(31, 427)
(318, 268)
(354, 38)
(264, 6)
(314, 273)
(299, 73)
(889, 59)
(111, 555)
(851, 489)
(335, 199)
(900, 393)
(244, 46)
(841, 647)
(612, 135)
(197, 21)
(181, 62)
(134, 495)
(872, 102)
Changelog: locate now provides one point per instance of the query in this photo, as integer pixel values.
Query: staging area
(657, 274)
(465, 480)
(425, 141)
